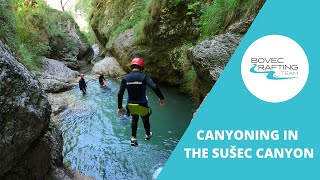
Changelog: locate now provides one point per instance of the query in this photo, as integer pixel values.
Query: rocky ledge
(55, 76)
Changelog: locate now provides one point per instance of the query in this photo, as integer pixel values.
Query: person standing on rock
(135, 83)
(82, 84)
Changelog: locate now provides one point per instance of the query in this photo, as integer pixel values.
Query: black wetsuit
(101, 78)
(83, 85)
(135, 83)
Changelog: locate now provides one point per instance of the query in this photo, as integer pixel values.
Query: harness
(137, 109)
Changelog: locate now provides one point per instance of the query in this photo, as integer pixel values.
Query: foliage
(183, 64)
(85, 6)
(122, 15)
(7, 22)
(31, 28)
(215, 16)
(193, 8)
(190, 77)
(222, 13)
(136, 17)
(36, 25)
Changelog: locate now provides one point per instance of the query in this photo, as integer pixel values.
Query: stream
(97, 141)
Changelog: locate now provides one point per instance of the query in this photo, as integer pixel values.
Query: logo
(274, 68)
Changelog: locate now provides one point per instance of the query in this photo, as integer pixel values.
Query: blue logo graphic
(270, 74)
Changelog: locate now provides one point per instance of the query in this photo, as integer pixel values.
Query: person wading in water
(82, 84)
(101, 80)
(135, 83)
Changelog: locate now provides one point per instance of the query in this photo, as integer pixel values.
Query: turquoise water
(97, 141)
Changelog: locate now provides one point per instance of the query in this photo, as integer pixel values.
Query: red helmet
(81, 75)
(137, 61)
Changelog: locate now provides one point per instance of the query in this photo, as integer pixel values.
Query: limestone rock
(167, 28)
(24, 113)
(109, 66)
(241, 27)
(210, 56)
(159, 63)
(58, 103)
(55, 76)
(77, 53)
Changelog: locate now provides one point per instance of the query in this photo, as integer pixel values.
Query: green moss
(189, 73)
(189, 85)
(182, 61)
(139, 36)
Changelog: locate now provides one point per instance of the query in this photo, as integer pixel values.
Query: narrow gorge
(49, 130)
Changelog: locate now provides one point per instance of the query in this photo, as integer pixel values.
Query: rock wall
(167, 28)
(41, 159)
(24, 113)
(31, 147)
(77, 53)
(168, 39)
(210, 56)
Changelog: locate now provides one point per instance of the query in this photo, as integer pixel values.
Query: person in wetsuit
(101, 79)
(82, 84)
(135, 83)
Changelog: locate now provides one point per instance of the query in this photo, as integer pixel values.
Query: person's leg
(128, 112)
(146, 124)
(134, 125)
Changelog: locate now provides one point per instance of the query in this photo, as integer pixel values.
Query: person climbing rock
(82, 84)
(137, 103)
(101, 80)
